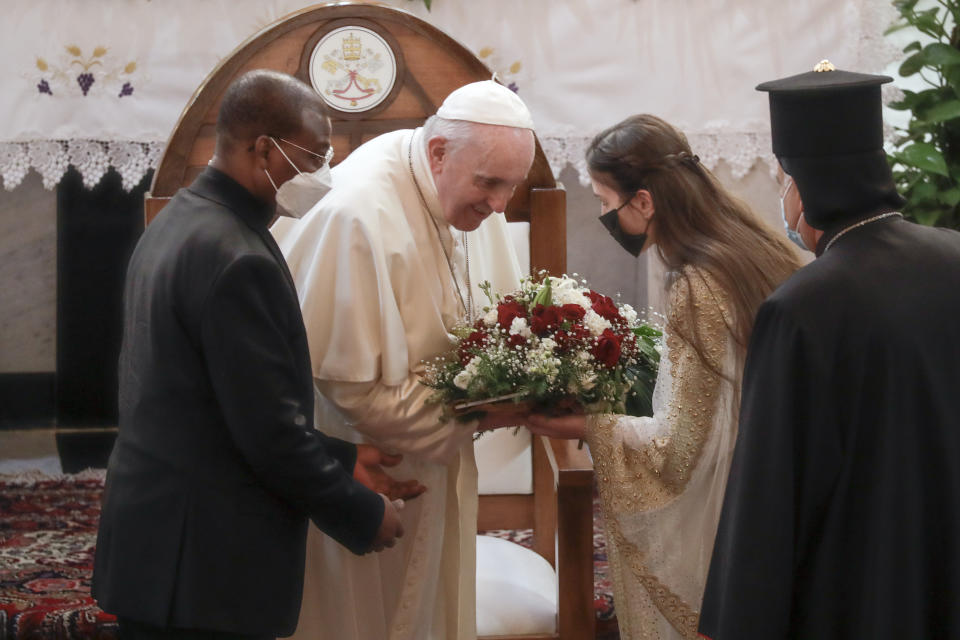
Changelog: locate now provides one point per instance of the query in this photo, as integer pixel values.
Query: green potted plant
(926, 156)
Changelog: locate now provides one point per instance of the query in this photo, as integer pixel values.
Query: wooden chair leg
(577, 620)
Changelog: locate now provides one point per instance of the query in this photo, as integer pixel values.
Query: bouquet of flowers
(553, 345)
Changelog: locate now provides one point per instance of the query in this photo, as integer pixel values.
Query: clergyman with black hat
(842, 512)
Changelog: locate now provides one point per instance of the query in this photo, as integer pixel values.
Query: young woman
(662, 478)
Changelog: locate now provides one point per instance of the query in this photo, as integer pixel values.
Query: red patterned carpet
(48, 530)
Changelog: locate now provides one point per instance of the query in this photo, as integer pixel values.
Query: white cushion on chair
(504, 462)
(516, 590)
(520, 235)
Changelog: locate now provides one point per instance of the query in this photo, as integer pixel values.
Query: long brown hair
(695, 221)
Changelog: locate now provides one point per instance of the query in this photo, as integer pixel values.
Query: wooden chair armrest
(572, 469)
(572, 466)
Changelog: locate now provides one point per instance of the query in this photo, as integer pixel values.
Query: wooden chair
(429, 65)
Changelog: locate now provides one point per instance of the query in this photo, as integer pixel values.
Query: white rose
(563, 284)
(462, 379)
(595, 322)
(570, 296)
(519, 327)
(490, 318)
(628, 314)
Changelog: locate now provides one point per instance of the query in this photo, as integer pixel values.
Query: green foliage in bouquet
(640, 399)
(554, 346)
(926, 160)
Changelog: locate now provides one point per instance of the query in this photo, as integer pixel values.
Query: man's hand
(390, 527)
(369, 472)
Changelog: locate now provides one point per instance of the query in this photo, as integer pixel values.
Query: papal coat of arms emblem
(353, 69)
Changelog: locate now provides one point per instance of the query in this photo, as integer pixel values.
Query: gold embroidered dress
(662, 478)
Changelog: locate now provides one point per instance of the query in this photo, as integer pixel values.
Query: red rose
(607, 349)
(572, 312)
(516, 340)
(604, 306)
(508, 310)
(469, 347)
(544, 319)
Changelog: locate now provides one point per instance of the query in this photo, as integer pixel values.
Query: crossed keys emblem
(362, 87)
(353, 68)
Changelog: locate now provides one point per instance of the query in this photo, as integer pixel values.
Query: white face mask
(792, 234)
(296, 196)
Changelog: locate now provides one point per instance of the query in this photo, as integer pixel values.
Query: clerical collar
(216, 185)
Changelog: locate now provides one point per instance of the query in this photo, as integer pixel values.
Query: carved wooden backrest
(430, 65)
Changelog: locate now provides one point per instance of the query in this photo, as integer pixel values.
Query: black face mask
(631, 242)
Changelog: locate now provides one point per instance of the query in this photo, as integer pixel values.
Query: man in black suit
(217, 468)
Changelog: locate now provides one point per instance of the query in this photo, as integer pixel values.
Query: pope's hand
(390, 527)
(369, 472)
(569, 427)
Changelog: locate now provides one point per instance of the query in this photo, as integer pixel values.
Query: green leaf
(927, 217)
(924, 191)
(905, 6)
(427, 4)
(545, 294)
(941, 54)
(924, 155)
(927, 22)
(913, 46)
(952, 75)
(897, 26)
(950, 197)
(942, 112)
(912, 65)
(909, 100)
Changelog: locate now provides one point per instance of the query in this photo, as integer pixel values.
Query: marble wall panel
(28, 278)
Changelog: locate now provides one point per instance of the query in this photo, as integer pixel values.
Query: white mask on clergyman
(298, 195)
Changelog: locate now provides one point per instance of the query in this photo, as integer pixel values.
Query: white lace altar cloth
(101, 83)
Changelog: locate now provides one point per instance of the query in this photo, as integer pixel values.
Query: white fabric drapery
(102, 83)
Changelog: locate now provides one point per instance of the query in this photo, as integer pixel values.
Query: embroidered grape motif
(85, 80)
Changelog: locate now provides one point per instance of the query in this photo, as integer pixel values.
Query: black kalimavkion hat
(827, 132)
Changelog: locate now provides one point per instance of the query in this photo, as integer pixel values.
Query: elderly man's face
(478, 177)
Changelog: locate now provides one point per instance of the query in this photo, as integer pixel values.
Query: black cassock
(842, 512)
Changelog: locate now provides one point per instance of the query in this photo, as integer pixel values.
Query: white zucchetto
(486, 102)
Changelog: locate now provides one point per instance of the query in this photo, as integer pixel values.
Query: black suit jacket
(217, 467)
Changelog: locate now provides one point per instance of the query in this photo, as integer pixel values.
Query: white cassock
(378, 298)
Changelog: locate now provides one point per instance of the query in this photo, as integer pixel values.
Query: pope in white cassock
(385, 265)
